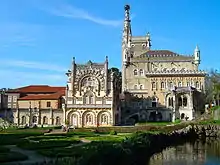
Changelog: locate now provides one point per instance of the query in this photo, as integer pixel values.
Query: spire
(126, 39)
(127, 25)
(197, 49)
(197, 55)
(148, 40)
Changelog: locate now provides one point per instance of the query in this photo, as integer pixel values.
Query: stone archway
(88, 119)
(73, 118)
(104, 118)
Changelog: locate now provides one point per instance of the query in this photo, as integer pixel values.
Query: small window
(141, 86)
(135, 86)
(141, 72)
(14, 106)
(153, 85)
(9, 98)
(135, 72)
(188, 84)
(179, 84)
(14, 98)
(162, 85)
(9, 105)
(197, 84)
(48, 104)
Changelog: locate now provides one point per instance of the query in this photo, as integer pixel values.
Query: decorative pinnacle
(127, 7)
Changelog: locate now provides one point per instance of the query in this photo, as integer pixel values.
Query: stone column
(174, 108)
(16, 116)
(191, 106)
(64, 114)
(51, 116)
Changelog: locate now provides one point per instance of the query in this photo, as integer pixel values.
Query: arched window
(58, 120)
(179, 84)
(45, 120)
(153, 85)
(89, 119)
(91, 100)
(162, 85)
(197, 84)
(154, 102)
(188, 84)
(141, 86)
(184, 101)
(170, 84)
(23, 120)
(135, 86)
(104, 119)
(135, 72)
(169, 102)
(34, 119)
(180, 101)
(141, 72)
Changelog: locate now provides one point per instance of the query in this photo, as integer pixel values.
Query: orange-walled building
(36, 104)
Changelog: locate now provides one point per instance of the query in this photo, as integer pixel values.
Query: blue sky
(38, 38)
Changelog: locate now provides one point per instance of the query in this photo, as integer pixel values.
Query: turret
(148, 40)
(197, 56)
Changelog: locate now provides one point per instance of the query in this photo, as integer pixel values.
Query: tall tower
(197, 57)
(126, 46)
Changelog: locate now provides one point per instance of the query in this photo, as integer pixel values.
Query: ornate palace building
(92, 95)
(158, 84)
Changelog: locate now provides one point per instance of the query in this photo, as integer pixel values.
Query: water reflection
(200, 152)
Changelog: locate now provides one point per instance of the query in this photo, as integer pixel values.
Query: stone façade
(92, 95)
(165, 85)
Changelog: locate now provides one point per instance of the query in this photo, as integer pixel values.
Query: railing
(137, 90)
(89, 105)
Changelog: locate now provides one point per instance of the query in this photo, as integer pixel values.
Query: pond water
(206, 152)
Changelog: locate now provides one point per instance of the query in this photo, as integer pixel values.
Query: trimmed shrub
(113, 132)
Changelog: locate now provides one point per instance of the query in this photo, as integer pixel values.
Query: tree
(118, 75)
(213, 87)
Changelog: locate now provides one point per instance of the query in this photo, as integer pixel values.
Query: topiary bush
(113, 132)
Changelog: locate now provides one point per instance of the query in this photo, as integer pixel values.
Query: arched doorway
(152, 116)
(45, 120)
(34, 120)
(58, 121)
(182, 116)
(23, 120)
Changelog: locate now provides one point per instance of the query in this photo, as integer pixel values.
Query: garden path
(33, 156)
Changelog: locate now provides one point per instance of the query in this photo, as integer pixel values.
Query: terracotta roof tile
(53, 96)
(162, 53)
(37, 89)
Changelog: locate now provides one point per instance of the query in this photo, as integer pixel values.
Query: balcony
(138, 91)
(89, 105)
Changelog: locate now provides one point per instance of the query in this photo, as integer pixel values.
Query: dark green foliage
(43, 144)
(4, 149)
(113, 132)
(12, 156)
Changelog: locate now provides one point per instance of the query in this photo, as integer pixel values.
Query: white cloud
(69, 11)
(18, 34)
(33, 65)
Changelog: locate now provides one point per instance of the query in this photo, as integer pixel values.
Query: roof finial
(127, 8)
(197, 48)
